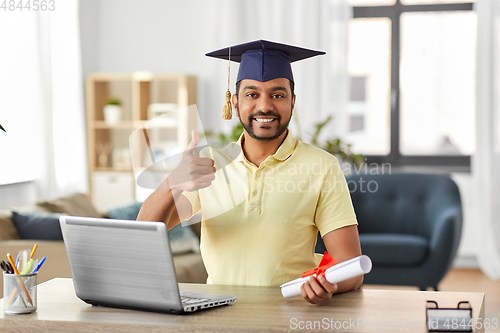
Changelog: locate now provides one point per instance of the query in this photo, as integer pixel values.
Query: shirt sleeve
(334, 208)
(194, 199)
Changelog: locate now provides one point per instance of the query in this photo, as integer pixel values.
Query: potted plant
(336, 146)
(112, 111)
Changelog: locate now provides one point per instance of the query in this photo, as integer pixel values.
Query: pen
(17, 260)
(20, 281)
(39, 265)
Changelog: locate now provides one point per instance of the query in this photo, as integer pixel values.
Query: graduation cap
(262, 61)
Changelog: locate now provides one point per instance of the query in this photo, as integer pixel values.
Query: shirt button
(255, 192)
(258, 175)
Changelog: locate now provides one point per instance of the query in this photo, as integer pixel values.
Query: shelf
(123, 124)
(110, 169)
(134, 124)
(123, 148)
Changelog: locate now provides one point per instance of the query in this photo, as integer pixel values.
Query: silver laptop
(128, 264)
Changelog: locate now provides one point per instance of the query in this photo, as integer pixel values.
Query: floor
(472, 280)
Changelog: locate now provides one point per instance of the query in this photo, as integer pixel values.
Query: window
(21, 99)
(412, 68)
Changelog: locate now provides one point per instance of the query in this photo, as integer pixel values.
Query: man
(289, 189)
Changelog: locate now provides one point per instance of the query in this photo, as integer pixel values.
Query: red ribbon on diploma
(325, 263)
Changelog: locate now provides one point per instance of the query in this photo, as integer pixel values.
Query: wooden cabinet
(143, 96)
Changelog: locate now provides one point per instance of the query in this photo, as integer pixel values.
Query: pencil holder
(19, 293)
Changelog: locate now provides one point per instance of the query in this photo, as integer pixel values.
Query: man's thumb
(194, 142)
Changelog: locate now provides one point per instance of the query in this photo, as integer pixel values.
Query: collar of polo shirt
(284, 151)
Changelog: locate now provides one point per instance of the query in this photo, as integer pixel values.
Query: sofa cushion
(7, 229)
(182, 239)
(394, 249)
(76, 204)
(125, 212)
(44, 226)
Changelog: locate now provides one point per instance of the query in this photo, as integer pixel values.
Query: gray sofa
(189, 266)
(409, 225)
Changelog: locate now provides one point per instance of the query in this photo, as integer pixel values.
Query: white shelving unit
(111, 177)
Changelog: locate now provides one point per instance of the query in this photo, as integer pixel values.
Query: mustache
(264, 114)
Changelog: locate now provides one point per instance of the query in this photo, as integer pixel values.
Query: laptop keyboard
(193, 300)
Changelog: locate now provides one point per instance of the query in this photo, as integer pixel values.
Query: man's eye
(251, 94)
(278, 96)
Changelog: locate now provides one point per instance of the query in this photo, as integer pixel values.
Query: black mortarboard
(262, 60)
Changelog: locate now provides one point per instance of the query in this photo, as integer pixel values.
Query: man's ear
(293, 101)
(235, 105)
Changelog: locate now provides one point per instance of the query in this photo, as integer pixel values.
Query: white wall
(162, 36)
(18, 194)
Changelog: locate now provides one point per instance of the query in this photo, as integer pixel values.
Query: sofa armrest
(443, 244)
(448, 225)
(7, 228)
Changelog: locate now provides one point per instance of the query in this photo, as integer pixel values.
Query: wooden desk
(256, 309)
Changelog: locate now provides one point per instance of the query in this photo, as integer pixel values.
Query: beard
(249, 126)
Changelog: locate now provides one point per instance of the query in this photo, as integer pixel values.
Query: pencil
(33, 251)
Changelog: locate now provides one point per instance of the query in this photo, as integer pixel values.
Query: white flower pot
(112, 114)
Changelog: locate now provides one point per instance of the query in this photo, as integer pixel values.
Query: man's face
(264, 108)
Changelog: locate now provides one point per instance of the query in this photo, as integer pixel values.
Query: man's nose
(265, 103)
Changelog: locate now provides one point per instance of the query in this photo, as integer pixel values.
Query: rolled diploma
(337, 273)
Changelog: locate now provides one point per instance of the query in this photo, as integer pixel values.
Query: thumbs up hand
(193, 173)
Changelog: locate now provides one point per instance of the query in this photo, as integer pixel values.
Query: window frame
(395, 158)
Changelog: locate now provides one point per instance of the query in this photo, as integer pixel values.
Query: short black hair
(292, 88)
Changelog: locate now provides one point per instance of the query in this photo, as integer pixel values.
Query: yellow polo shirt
(259, 224)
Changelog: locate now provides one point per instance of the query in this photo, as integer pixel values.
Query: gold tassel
(227, 111)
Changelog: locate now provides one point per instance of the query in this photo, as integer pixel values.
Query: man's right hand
(193, 173)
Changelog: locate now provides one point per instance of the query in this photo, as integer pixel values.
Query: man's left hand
(316, 292)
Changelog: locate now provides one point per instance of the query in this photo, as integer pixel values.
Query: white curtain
(42, 101)
(486, 162)
(322, 82)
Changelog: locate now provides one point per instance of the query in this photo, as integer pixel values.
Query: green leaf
(319, 127)
(236, 133)
(114, 101)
